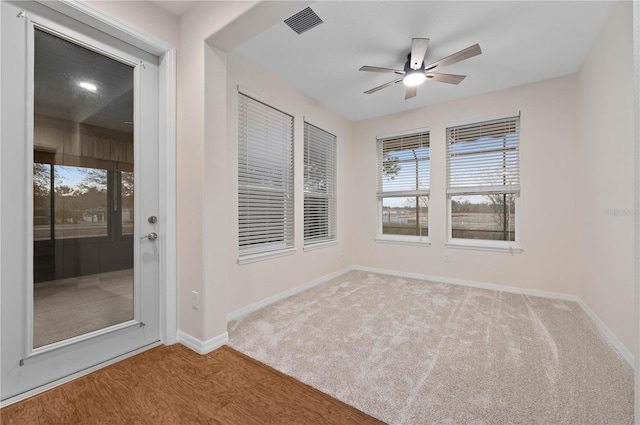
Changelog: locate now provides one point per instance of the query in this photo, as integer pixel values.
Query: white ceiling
(522, 42)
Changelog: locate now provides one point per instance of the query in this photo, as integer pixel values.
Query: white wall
(202, 244)
(249, 283)
(547, 207)
(604, 168)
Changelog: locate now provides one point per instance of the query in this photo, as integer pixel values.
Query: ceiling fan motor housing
(408, 68)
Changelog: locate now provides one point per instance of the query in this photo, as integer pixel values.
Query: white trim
(636, 195)
(610, 336)
(484, 245)
(606, 332)
(83, 337)
(319, 245)
(481, 119)
(96, 18)
(286, 294)
(252, 258)
(1, 197)
(202, 347)
(404, 240)
(404, 133)
(469, 283)
(29, 133)
(69, 378)
(168, 201)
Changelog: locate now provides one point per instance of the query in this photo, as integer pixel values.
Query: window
(319, 185)
(483, 184)
(265, 178)
(80, 199)
(80, 206)
(403, 186)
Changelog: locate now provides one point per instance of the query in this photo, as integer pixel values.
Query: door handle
(151, 236)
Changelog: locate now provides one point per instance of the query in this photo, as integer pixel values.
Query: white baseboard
(606, 332)
(490, 286)
(286, 294)
(202, 347)
(604, 329)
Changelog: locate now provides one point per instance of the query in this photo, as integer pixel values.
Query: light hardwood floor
(174, 385)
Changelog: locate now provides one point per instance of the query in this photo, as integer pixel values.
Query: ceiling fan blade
(411, 92)
(446, 78)
(378, 69)
(390, 83)
(418, 51)
(467, 53)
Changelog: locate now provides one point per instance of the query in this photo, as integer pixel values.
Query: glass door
(79, 158)
(83, 190)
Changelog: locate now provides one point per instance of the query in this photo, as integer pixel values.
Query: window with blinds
(265, 178)
(319, 185)
(403, 184)
(483, 179)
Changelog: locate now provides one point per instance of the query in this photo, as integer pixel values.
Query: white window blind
(483, 181)
(403, 165)
(403, 185)
(319, 185)
(484, 157)
(265, 178)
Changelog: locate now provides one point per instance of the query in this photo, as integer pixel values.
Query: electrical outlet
(194, 300)
(447, 257)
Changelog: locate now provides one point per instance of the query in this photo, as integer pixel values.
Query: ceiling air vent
(303, 20)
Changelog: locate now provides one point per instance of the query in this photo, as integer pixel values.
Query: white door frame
(167, 165)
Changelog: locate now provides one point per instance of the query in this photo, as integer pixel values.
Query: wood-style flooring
(174, 385)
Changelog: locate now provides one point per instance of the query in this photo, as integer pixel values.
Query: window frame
(274, 248)
(331, 237)
(381, 195)
(512, 247)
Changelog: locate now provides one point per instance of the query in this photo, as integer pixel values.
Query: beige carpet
(75, 306)
(414, 352)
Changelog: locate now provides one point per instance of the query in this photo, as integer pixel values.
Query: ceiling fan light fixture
(412, 79)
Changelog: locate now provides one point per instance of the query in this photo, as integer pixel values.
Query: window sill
(319, 245)
(407, 240)
(252, 258)
(498, 246)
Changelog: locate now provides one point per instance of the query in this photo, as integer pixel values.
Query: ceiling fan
(415, 72)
